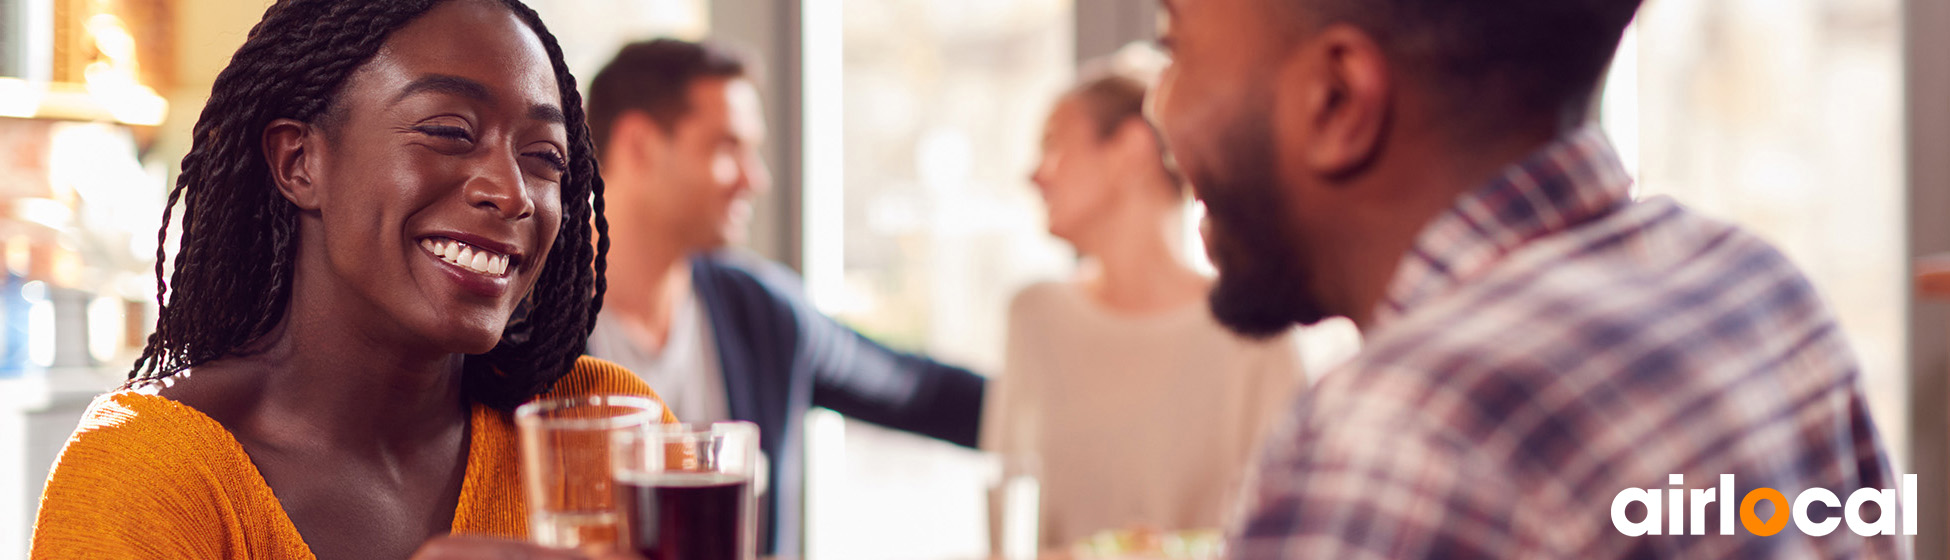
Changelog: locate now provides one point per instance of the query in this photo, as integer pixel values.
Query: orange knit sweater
(147, 477)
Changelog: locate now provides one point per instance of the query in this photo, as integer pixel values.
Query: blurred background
(904, 132)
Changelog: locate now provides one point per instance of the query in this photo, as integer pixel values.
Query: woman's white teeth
(465, 256)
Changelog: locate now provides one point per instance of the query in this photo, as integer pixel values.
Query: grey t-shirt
(685, 372)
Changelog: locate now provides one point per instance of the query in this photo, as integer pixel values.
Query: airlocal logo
(1675, 506)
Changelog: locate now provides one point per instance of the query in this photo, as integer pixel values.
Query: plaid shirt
(1547, 343)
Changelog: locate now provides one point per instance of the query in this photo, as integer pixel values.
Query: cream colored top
(1132, 422)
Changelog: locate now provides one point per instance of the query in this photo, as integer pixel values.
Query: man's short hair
(1505, 56)
(655, 77)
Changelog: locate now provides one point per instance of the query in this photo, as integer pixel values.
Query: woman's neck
(1136, 264)
(326, 408)
(319, 378)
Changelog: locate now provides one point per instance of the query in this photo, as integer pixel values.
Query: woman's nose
(497, 185)
(1039, 176)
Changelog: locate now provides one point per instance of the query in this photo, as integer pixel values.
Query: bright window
(921, 125)
(1786, 117)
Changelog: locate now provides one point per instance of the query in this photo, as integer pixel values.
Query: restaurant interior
(904, 133)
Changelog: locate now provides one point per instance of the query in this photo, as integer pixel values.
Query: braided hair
(232, 275)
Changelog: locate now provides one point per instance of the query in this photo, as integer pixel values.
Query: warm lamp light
(110, 88)
(19, 98)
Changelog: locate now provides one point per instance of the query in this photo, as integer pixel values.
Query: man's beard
(1263, 284)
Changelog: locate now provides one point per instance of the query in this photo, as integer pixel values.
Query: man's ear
(1345, 99)
(639, 138)
(290, 148)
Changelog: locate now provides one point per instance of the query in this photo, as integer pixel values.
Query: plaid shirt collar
(1572, 180)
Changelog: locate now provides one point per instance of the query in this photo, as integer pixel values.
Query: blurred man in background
(722, 334)
(1537, 341)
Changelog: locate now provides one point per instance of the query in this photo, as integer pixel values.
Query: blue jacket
(780, 358)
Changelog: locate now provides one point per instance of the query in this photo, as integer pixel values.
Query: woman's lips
(474, 259)
(478, 271)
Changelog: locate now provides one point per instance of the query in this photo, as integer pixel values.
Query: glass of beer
(686, 490)
(565, 448)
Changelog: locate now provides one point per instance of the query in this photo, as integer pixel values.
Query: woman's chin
(481, 344)
(478, 349)
(469, 339)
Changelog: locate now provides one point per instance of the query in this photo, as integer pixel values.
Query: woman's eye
(553, 159)
(448, 132)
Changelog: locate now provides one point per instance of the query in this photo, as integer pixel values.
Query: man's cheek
(1190, 129)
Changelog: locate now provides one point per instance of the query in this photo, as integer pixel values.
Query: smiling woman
(414, 137)
(392, 235)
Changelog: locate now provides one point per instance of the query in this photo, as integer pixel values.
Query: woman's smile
(458, 151)
(481, 266)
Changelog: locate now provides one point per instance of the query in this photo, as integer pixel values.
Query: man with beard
(1537, 340)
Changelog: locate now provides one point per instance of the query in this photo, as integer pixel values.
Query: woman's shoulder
(1042, 297)
(137, 428)
(596, 376)
(142, 474)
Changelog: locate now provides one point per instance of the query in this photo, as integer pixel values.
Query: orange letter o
(1752, 522)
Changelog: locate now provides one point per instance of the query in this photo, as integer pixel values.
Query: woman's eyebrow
(445, 83)
(547, 113)
(468, 88)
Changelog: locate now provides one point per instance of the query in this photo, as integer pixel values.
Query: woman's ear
(288, 150)
(1131, 143)
(1138, 147)
(1135, 138)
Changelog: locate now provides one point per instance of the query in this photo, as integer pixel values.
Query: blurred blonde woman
(1121, 393)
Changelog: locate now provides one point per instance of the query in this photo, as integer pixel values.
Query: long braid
(232, 275)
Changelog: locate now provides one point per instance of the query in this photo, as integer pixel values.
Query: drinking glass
(686, 490)
(1014, 509)
(565, 448)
